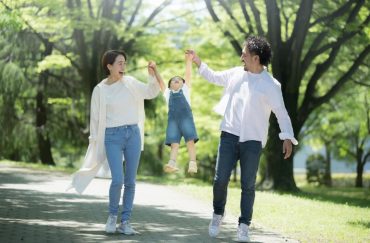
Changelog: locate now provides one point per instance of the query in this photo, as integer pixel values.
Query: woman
(116, 131)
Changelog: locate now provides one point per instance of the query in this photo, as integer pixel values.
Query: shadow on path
(34, 208)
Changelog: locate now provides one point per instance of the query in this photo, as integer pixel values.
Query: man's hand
(287, 148)
(196, 59)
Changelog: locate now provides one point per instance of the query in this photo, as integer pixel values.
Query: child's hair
(176, 77)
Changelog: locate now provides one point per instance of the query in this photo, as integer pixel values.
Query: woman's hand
(152, 68)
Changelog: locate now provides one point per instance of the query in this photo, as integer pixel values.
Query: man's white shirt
(247, 103)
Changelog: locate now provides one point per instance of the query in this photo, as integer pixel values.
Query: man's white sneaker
(126, 228)
(243, 233)
(110, 226)
(171, 167)
(215, 224)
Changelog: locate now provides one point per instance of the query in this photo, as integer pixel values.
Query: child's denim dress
(180, 119)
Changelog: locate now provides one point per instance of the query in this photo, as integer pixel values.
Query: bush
(315, 169)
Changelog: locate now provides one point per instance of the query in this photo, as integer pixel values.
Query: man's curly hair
(259, 46)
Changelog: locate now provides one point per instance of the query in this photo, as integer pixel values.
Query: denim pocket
(136, 130)
(110, 131)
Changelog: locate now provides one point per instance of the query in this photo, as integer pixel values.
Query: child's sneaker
(171, 167)
(193, 167)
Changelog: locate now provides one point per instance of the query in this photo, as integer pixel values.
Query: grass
(316, 214)
(38, 166)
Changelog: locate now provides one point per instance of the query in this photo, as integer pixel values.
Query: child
(180, 118)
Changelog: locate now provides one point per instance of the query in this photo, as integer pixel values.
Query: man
(250, 94)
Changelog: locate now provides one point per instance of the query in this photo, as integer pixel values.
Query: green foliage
(12, 78)
(53, 62)
(9, 21)
(183, 25)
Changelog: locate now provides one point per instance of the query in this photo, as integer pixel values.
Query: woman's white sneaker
(126, 228)
(110, 226)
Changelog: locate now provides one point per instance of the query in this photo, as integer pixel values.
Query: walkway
(35, 208)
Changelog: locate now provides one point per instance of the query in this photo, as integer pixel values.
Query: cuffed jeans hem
(219, 211)
(244, 221)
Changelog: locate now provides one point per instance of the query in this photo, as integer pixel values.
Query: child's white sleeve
(166, 94)
(186, 89)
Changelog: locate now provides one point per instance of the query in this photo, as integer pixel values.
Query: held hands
(193, 54)
(189, 57)
(152, 68)
(153, 71)
(287, 148)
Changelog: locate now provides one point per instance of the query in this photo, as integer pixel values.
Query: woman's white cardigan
(95, 156)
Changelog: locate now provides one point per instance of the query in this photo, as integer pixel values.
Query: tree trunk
(327, 174)
(360, 168)
(160, 151)
(41, 131)
(42, 134)
(279, 171)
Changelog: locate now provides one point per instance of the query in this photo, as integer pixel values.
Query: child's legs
(191, 150)
(173, 134)
(174, 151)
(187, 128)
(190, 135)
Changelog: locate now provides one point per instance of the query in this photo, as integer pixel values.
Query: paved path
(35, 208)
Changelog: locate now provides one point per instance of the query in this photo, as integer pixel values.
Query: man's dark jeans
(230, 150)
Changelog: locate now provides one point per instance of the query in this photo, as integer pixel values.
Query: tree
(90, 29)
(110, 24)
(14, 74)
(307, 41)
(353, 144)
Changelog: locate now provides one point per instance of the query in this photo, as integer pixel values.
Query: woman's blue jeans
(122, 141)
(229, 152)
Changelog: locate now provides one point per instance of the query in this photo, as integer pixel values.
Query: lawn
(316, 214)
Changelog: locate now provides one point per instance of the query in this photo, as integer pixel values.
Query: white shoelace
(127, 224)
(216, 221)
(112, 220)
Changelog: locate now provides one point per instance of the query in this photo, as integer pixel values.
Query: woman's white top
(121, 107)
(95, 156)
